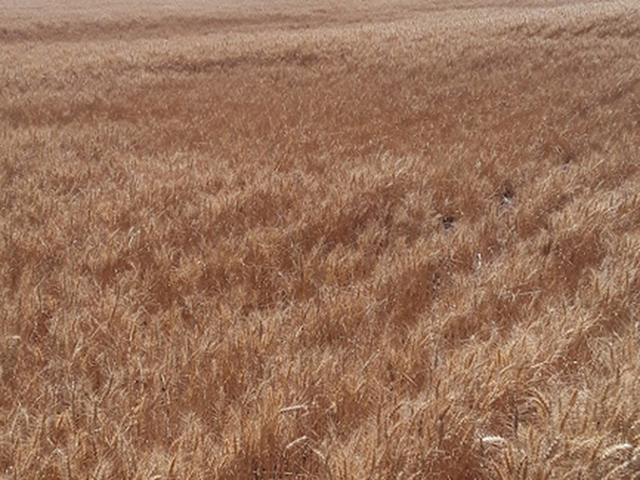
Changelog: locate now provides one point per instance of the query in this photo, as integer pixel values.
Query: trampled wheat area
(305, 240)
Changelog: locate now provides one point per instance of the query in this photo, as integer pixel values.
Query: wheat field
(314, 239)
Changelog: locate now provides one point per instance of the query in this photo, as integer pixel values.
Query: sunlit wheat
(390, 239)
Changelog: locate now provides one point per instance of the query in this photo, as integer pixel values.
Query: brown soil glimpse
(320, 240)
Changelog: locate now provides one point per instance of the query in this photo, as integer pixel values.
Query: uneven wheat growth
(305, 240)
